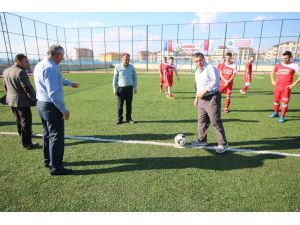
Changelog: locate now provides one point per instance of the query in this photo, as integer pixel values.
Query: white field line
(160, 144)
(258, 77)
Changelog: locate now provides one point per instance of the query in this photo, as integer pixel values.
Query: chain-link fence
(100, 48)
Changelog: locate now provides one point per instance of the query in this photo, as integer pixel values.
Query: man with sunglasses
(51, 106)
(208, 103)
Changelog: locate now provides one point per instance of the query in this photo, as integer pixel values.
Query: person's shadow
(224, 162)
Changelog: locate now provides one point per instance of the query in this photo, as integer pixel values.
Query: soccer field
(139, 177)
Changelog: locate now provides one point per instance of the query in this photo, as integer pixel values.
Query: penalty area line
(82, 138)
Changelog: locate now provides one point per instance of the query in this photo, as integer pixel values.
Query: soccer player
(247, 75)
(227, 73)
(285, 72)
(162, 68)
(169, 71)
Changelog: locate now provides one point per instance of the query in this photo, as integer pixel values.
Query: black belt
(210, 95)
(126, 87)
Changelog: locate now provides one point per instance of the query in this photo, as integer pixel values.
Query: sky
(71, 20)
(100, 19)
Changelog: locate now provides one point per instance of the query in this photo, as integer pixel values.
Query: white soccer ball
(180, 140)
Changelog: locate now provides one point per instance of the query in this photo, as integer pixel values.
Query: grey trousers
(209, 112)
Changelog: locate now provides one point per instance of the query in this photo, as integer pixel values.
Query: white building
(277, 50)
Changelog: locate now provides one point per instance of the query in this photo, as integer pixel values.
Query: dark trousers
(125, 94)
(53, 134)
(24, 124)
(209, 112)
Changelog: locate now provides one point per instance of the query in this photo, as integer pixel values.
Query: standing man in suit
(124, 84)
(51, 106)
(20, 95)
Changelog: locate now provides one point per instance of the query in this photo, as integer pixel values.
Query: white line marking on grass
(258, 77)
(161, 144)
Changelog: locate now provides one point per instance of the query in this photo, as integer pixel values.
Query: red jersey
(249, 67)
(219, 67)
(228, 70)
(170, 69)
(285, 73)
(162, 68)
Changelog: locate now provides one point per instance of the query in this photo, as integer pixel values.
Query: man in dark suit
(20, 95)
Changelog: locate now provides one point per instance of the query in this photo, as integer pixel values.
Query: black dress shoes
(62, 171)
(32, 146)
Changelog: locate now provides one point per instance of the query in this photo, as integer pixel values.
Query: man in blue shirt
(124, 84)
(50, 103)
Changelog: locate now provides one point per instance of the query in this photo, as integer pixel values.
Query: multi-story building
(82, 54)
(220, 50)
(144, 55)
(277, 50)
(110, 56)
(243, 54)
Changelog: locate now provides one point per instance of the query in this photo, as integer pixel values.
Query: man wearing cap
(50, 103)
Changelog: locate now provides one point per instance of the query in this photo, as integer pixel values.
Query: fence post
(119, 41)
(8, 60)
(147, 50)
(92, 43)
(36, 39)
(295, 56)
(104, 49)
(47, 34)
(225, 40)
(23, 36)
(193, 39)
(260, 36)
(66, 50)
(132, 45)
(279, 41)
(161, 41)
(12, 58)
(243, 38)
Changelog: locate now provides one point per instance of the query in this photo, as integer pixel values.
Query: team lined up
(227, 70)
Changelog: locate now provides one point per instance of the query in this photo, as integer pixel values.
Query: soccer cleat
(273, 115)
(222, 148)
(242, 92)
(226, 110)
(170, 96)
(199, 143)
(281, 119)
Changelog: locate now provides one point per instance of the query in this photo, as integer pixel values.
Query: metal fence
(99, 48)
